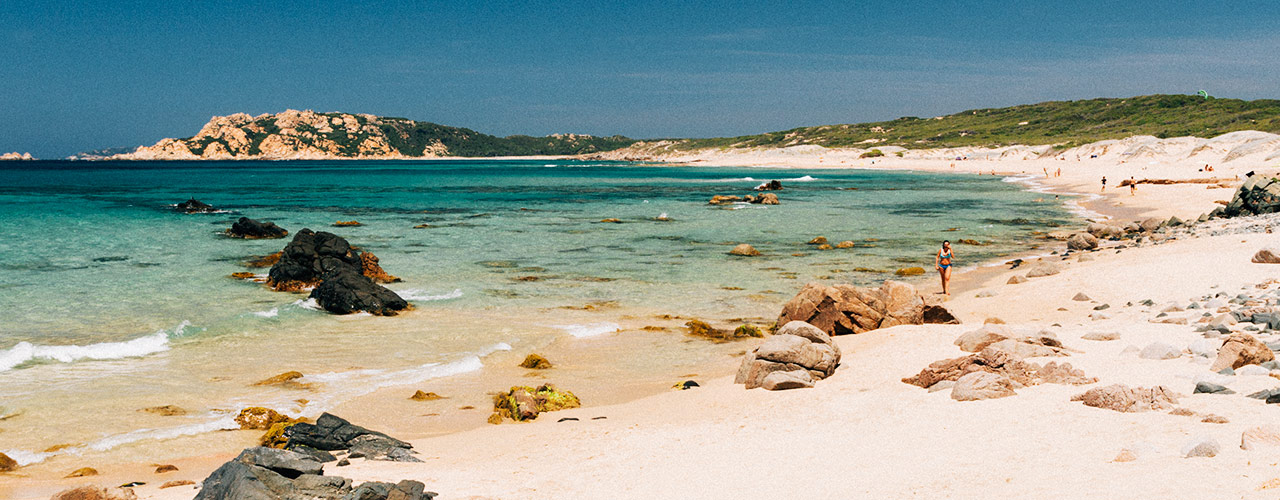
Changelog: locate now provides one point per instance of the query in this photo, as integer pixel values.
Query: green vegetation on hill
(1062, 123)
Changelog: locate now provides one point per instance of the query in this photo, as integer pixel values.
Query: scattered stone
(176, 483)
(1252, 370)
(1015, 279)
(165, 411)
(242, 275)
(993, 321)
(796, 347)
(1125, 455)
(94, 492)
(1081, 297)
(744, 250)
(1082, 241)
(1042, 268)
(1122, 398)
(820, 240)
(425, 396)
(1242, 349)
(251, 229)
(1215, 419)
(1201, 448)
(1102, 307)
(1267, 436)
(347, 223)
(1211, 388)
(161, 469)
(1002, 363)
(82, 472)
(1269, 255)
(535, 362)
(343, 463)
(1101, 336)
(981, 385)
(611, 221)
(985, 294)
(1182, 412)
(1159, 350)
(845, 244)
(287, 379)
(1150, 224)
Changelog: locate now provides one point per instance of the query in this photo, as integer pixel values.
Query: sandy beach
(863, 432)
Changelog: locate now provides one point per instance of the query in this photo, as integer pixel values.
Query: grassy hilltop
(1064, 123)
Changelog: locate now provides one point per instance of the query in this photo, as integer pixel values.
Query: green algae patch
(909, 271)
(523, 403)
(706, 331)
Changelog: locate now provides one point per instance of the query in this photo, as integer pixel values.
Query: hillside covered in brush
(310, 135)
(1061, 123)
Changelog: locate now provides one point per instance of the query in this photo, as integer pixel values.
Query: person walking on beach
(1104, 183)
(1133, 187)
(942, 262)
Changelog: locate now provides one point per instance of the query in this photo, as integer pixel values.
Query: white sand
(865, 434)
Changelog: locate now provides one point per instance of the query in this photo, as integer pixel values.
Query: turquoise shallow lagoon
(112, 301)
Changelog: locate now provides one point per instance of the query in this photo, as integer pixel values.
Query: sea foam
(590, 329)
(24, 352)
(420, 295)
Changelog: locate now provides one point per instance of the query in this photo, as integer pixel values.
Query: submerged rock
(251, 229)
(745, 250)
(194, 206)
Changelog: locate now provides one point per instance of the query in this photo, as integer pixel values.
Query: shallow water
(112, 301)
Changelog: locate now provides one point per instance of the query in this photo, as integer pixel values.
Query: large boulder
(1151, 224)
(252, 230)
(1241, 349)
(1042, 268)
(1082, 241)
(1105, 230)
(844, 309)
(1258, 195)
(796, 347)
(341, 278)
(1122, 398)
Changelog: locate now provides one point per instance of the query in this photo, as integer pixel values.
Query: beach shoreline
(1115, 205)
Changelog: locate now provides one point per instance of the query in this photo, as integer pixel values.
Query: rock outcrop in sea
(307, 135)
(252, 230)
(340, 280)
(15, 156)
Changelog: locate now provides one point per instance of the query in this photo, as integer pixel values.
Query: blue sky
(83, 75)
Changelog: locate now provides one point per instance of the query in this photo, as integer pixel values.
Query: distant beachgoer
(942, 262)
(1046, 172)
(1059, 174)
(1104, 183)
(1133, 187)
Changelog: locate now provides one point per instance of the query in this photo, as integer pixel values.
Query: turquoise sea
(112, 301)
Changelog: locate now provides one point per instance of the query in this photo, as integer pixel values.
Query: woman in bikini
(942, 262)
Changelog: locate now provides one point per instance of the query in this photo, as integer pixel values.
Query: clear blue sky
(83, 75)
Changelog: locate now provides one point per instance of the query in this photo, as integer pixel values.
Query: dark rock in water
(773, 185)
(308, 257)
(344, 290)
(330, 433)
(1258, 195)
(251, 229)
(194, 206)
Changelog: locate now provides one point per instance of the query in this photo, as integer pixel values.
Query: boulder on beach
(1269, 255)
(796, 356)
(1042, 268)
(1016, 279)
(1122, 398)
(980, 385)
(744, 250)
(271, 474)
(1000, 362)
(1082, 241)
(1258, 195)
(1241, 349)
(1259, 437)
(330, 433)
(1151, 224)
(252, 230)
(1105, 230)
(845, 309)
